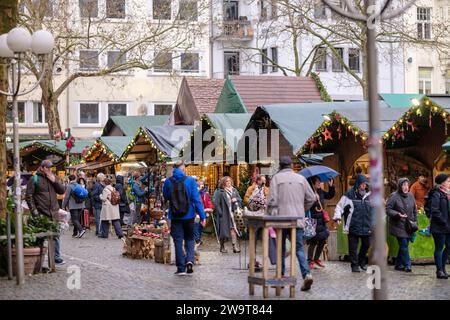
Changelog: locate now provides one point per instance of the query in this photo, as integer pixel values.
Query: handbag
(310, 227)
(410, 226)
(257, 200)
(319, 208)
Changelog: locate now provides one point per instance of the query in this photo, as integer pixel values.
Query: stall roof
(116, 144)
(195, 97)
(58, 146)
(245, 93)
(400, 100)
(226, 121)
(169, 139)
(129, 125)
(314, 158)
(297, 122)
(441, 99)
(446, 146)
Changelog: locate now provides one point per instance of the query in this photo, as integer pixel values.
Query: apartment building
(427, 66)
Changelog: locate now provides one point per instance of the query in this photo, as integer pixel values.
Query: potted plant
(34, 250)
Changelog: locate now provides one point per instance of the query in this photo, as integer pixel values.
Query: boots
(234, 241)
(222, 246)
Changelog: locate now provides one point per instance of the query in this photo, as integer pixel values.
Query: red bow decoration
(70, 143)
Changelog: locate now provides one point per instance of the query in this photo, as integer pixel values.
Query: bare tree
(128, 33)
(325, 33)
(8, 14)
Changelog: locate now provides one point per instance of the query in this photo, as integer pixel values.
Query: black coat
(41, 195)
(362, 221)
(398, 203)
(322, 232)
(221, 205)
(440, 216)
(123, 205)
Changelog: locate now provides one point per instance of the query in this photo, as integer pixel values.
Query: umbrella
(23, 176)
(324, 173)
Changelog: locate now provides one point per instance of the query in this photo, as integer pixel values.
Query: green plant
(245, 179)
(322, 90)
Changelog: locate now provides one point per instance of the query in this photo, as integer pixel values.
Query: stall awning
(98, 165)
(170, 139)
(446, 146)
(400, 100)
(116, 145)
(129, 125)
(234, 122)
(441, 100)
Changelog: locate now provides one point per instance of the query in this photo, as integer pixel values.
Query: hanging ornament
(419, 112)
(320, 141)
(339, 131)
(327, 135)
(70, 143)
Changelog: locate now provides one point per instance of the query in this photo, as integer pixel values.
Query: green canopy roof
(116, 145)
(129, 125)
(229, 121)
(446, 146)
(229, 100)
(58, 146)
(400, 100)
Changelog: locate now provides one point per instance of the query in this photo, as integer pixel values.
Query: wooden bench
(279, 223)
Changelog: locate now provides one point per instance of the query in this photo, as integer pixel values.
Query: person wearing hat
(439, 199)
(291, 195)
(41, 197)
(355, 209)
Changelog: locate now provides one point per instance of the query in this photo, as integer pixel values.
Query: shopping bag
(310, 227)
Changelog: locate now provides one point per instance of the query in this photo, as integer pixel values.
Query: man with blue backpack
(74, 199)
(182, 193)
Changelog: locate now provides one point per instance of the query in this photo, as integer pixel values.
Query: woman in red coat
(207, 205)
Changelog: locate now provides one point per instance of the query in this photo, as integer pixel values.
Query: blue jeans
(198, 232)
(403, 260)
(98, 222)
(301, 257)
(57, 241)
(441, 254)
(183, 230)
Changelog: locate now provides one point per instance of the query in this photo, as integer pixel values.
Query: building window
(321, 59)
(424, 23)
(190, 62)
(162, 109)
(88, 59)
(274, 53)
(336, 63)
(9, 112)
(162, 10)
(425, 80)
(264, 61)
(89, 8)
(115, 58)
(117, 109)
(268, 9)
(44, 7)
(231, 10)
(319, 11)
(188, 10)
(163, 62)
(231, 63)
(89, 113)
(115, 9)
(353, 59)
(38, 113)
(447, 82)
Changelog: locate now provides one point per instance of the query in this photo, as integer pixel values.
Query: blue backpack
(79, 193)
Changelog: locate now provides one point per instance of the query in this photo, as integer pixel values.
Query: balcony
(235, 30)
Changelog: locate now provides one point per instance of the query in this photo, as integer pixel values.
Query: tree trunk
(50, 101)
(8, 14)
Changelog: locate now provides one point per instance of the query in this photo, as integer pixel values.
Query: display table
(254, 222)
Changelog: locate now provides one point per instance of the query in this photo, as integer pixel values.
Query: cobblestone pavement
(106, 274)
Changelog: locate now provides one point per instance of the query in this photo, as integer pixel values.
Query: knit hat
(285, 161)
(440, 178)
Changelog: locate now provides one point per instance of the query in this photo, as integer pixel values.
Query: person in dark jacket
(42, 200)
(97, 202)
(138, 190)
(75, 208)
(316, 244)
(355, 209)
(439, 198)
(124, 208)
(400, 206)
(182, 227)
(225, 202)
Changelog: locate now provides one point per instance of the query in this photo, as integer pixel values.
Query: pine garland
(323, 91)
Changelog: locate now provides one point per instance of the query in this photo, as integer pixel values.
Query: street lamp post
(374, 12)
(13, 47)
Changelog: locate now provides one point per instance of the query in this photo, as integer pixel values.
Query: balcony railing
(240, 30)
